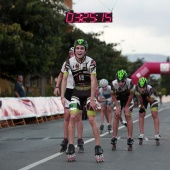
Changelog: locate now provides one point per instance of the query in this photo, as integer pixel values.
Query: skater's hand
(127, 111)
(118, 111)
(63, 101)
(93, 105)
(56, 91)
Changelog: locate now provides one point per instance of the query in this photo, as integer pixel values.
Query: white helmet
(103, 83)
(71, 49)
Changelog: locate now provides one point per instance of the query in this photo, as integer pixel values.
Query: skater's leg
(129, 125)
(154, 112)
(141, 122)
(156, 121)
(66, 122)
(109, 115)
(65, 127)
(72, 122)
(115, 125)
(79, 125)
(80, 141)
(102, 114)
(93, 123)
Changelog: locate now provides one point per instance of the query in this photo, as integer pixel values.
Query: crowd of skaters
(80, 93)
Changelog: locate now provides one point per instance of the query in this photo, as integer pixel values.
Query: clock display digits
(88, 17)
(69, 17)
(108, 17)
(93, 17)
(78, 17)
(85, 17)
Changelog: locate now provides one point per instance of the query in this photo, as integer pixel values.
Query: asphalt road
(37, 146)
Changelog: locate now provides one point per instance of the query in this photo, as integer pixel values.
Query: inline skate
(101, 129)
(113, 142)
(141, 138)
(71, 156)
(130, 144)
(99, 154)
(80, 144)
(124, 123)
(64, 145)
(109, 127)
(157, 138)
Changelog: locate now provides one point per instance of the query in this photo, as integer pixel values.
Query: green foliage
(30, 33)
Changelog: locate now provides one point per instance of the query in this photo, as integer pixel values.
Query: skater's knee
(91, 121)
(155, 115)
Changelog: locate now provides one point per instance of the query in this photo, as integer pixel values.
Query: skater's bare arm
(59, 78)
(118, 109)
(63, 88)
(127, 111)
(93, 90)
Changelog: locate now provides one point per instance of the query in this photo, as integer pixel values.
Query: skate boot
(130, 143)
(101, 129)
(141, 138)
(99, 154)
(109, 127)
(71, 157)
(124, 123)
(113, 142)
(64, 145)
(157, 137)
(80, 144)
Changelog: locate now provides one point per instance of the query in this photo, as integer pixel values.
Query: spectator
(19, 88)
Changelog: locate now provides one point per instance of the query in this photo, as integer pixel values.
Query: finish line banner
(18, 108)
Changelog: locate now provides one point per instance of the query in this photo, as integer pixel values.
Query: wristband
(56, 87)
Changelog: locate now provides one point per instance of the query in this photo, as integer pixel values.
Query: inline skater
(123, 91)
(105, 99)
(83, 69)
(68, 94)
(147, 94)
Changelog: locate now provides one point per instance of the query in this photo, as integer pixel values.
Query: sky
(138, 26)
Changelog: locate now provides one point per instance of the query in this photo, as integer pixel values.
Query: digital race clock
(88, 17)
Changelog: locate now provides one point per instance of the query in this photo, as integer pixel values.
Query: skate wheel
(140, 142)
(71, 158)
(113, 147)
(99, 158)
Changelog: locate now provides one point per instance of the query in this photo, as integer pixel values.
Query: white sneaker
(157, 136)
(141, 135)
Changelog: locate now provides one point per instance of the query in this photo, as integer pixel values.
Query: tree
(30, 35)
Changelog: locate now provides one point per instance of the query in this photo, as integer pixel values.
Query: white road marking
(87, 141)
